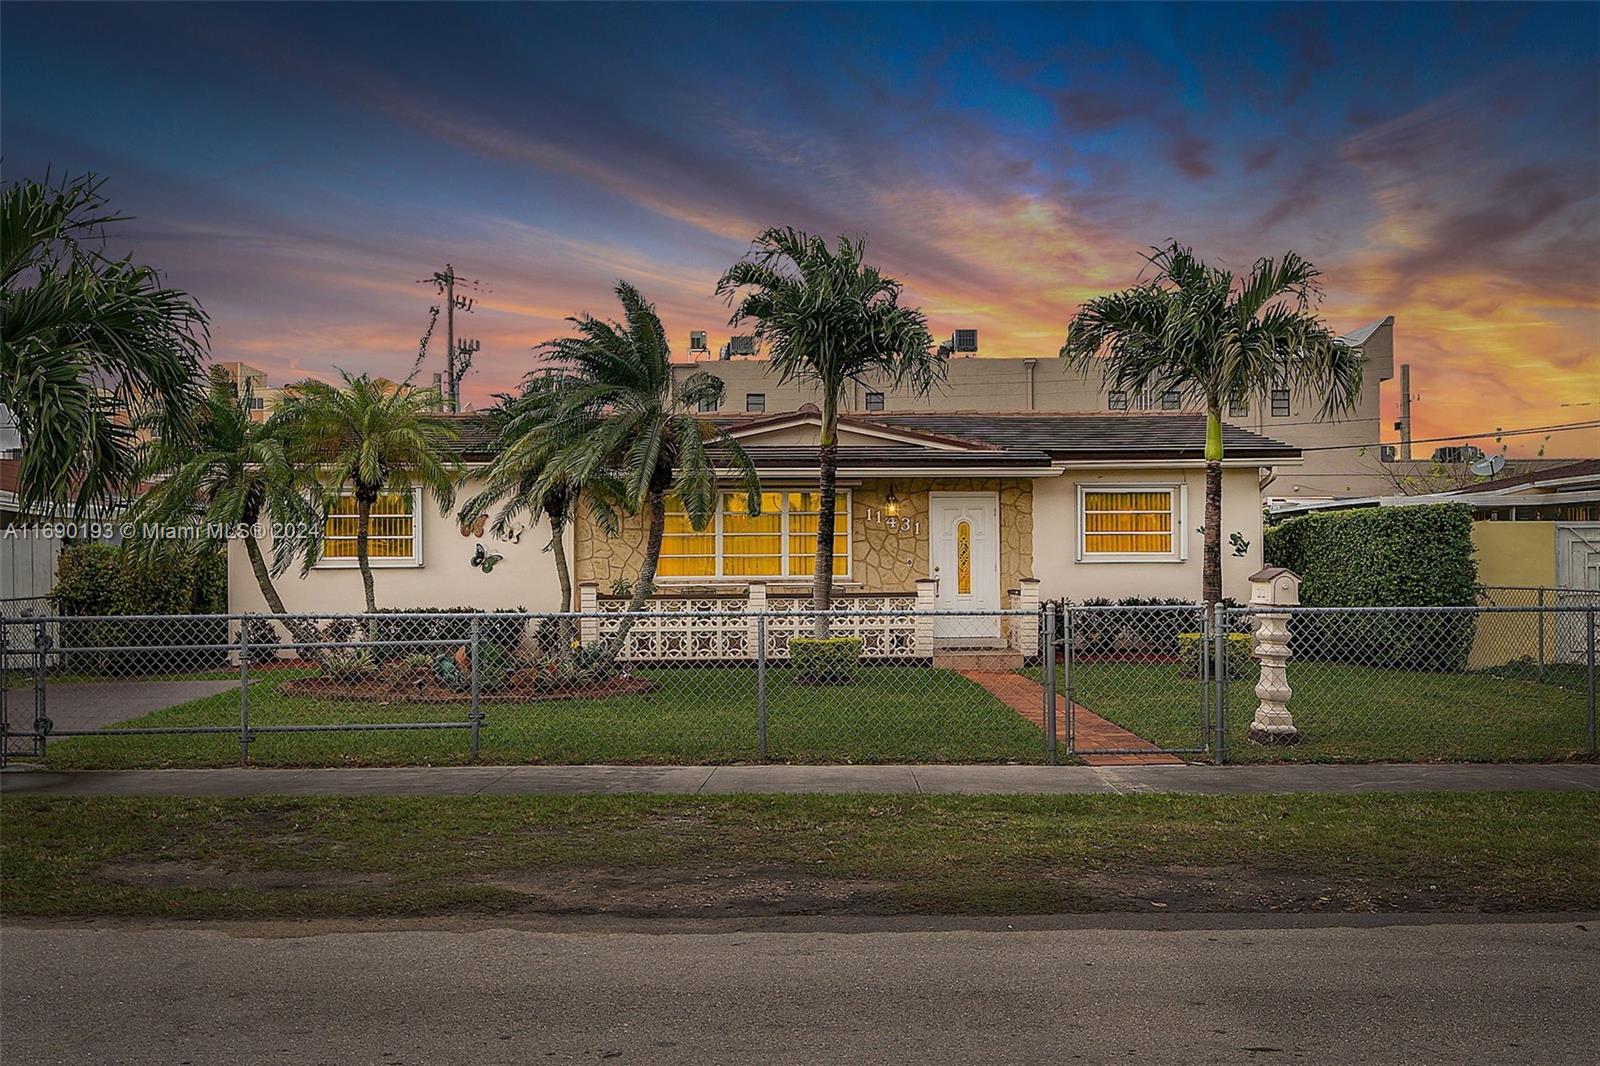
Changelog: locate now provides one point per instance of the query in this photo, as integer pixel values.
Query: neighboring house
(263, 399)
(1341, 457)
(1089, 505)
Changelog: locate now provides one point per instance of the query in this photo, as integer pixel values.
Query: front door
(964, 551)
(1578, 578)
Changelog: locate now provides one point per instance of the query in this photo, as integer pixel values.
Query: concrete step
(995, 660)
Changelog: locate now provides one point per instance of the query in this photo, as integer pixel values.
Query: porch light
(891, 503)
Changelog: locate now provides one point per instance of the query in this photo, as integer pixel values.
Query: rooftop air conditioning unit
(741, 346)
(965, 340)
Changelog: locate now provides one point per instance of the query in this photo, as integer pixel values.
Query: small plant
(824, 660)
(263, 638)
(1240, 664)
(349, 666)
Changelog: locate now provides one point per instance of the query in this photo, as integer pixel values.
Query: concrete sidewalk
(721, 780)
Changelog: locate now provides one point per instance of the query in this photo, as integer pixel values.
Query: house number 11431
(897, 523)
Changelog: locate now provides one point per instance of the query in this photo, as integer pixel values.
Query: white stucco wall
(1055, 537)
(526, 577)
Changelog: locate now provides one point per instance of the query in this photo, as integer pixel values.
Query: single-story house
(975, 507)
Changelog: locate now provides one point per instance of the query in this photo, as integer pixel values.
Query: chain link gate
(1132, 680)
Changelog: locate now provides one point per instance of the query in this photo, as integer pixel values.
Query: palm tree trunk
(1212, 578)
(657, 506)
(363, 532)
(822, 573)
(563, 574)
(299, 630)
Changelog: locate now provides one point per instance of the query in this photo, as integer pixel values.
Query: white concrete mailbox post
(1273, 587)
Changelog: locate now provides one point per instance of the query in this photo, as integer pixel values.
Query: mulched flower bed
(523, 687)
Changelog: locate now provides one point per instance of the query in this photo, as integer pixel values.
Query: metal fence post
(1207, 655)
(1220, 671)
(1590, 646)
(5, 684)
(473, 715)
(1050, 683)
(41, 720)
(1067, 640)
(1541, 632)
(761, 682)
(244, 690)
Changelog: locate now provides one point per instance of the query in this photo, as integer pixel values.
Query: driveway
(95, 705)
(1231, 990)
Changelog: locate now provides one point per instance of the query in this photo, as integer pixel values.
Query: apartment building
(1341, 456)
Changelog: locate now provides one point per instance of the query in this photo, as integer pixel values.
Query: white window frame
(413, 560)
(1180, 522)
(847, 514)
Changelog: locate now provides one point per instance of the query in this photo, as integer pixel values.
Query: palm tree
(372, 436)
(1199, 330)
(232, 473)
(615, 417)
(831, 319)
(512, 481)
(89, 345)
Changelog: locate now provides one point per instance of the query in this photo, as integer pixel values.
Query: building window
(1280, 403)
(1129, 522)
(755, 402)
(964, 558)
(708, 405)
(392, 536)
(1239, 407)
(1117, 400)
(874, 401)
(779, 542)
(1171, 400)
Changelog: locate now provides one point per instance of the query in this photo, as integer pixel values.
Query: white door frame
(986, 592)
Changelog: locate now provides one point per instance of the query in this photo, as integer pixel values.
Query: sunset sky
(299, 167)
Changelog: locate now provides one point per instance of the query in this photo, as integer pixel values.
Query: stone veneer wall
(883, 560)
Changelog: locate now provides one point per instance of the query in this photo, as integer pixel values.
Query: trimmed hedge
(501, 627)
(1241, 663)
(824, 660)
(1382, 557)
(100, 579)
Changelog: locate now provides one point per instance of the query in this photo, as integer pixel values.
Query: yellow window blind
(1128, 523)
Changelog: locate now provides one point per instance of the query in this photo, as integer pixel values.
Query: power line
(1462, 436)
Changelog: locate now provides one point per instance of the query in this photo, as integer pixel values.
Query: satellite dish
(1489, 465)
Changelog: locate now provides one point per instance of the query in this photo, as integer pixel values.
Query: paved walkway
(98, 704)
(721, 780)
(1089, 730)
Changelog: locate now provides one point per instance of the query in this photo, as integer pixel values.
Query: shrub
(502, 627)
(99, 579)
(1382, 557)
(350, 666)
(824, 660)
(1240, 663)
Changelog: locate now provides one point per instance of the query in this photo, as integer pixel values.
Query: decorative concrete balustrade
(723, 626)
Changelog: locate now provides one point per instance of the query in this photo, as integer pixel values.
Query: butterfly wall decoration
(475, 527)
(485, 560)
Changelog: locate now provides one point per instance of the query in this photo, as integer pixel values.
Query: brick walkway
(1089, 730)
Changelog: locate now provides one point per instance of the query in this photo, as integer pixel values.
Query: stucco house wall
(525, 577)
(1055, 503)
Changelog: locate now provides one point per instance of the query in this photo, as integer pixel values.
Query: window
(1129, 522)
(1280, 403)
(755, 402)
(258, 403)
(1239, 407)
(1117, 400)
(779, 542)
(1171, 400)
(964, 558)
(708, 405)
(392, 538)
(874, 401)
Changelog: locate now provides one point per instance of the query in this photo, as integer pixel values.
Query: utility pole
(1405, 411)
(444, 282)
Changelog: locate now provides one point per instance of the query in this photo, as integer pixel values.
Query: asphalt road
(1484, 992)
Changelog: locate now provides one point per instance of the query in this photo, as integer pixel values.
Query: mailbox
(1275, 586)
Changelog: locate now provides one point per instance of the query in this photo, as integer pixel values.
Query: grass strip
(768, 855)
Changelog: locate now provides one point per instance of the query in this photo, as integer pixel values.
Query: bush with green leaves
(1241, 665)
(348, 666)
(432, 633)
(824, 660)
(1382, 557)
(100, 579)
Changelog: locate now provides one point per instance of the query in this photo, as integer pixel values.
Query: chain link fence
(1100, 684)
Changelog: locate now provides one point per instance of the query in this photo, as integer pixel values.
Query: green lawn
(1351, 713)
(692, 857)
(695, 715)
